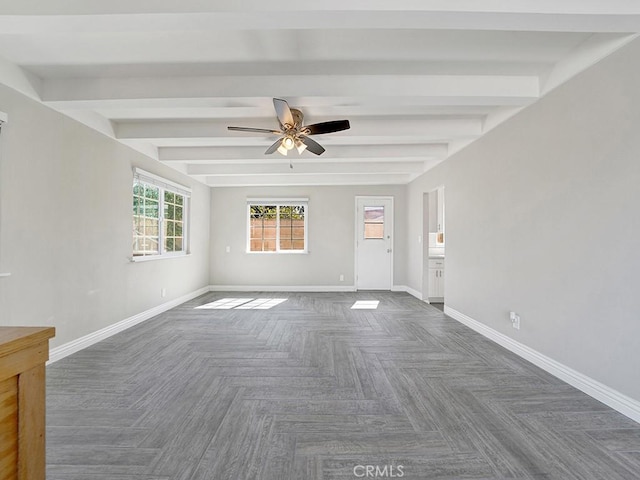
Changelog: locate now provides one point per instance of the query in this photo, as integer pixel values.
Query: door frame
(355, 236)
(427, 197)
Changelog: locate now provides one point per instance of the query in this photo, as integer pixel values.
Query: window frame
(164, 186)
(366, 223)
(278, 202)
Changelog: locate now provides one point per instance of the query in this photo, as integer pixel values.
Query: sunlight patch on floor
(243, 303)
(262, 303)
(365, 305)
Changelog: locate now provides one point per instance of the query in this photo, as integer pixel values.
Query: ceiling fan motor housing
(297, 118)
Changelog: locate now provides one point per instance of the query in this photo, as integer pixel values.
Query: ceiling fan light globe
(282, 150)
(301, 147)
(288, 142)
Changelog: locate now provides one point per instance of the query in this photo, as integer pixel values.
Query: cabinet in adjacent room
(436, 280)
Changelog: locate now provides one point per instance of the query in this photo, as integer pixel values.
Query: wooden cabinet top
(14, 339)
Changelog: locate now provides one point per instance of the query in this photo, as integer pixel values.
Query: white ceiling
(418, 79)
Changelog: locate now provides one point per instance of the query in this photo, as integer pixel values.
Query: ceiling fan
(293, 133)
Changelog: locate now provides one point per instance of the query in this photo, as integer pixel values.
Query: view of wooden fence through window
(173, 226)
(146, 225)
(277, 228)
(373, 222)
(158, 220)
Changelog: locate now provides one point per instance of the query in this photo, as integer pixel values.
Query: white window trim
(278, 202)
(158, 181)
(166, 256)
(166, 185)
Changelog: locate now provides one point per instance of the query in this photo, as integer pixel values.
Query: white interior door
(374, 243)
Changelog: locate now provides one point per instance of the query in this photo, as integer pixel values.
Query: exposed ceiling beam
(310, 65)
(267, 114)
(443, 86)
(318, 167)
(366, 153)
(82, 16)
(19, 79)
(94, 120)
(597, 47)
(262, 107)
(308, 179)
(425, 127)
(83, 7)
(332, 140)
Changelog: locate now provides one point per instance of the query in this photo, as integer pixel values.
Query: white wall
(543, 217)
(331, 209)
(65, 226)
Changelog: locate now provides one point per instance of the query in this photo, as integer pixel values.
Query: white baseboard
(278, 288)
(74, 346)
(614, 399)
(409, 290)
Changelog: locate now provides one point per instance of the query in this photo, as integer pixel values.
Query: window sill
(149, 258)
(298, 252)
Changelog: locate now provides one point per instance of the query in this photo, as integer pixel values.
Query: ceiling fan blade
(259, 130)
(312, 145)
(273, 147)
(328, 127)
(283, 111)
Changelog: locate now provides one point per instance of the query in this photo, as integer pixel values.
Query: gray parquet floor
(310, 389)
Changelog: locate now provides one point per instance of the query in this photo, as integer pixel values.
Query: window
(373, 222)
(173, 222)
(160, 215)
(277, 226)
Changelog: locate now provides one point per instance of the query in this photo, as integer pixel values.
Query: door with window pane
(374, 252)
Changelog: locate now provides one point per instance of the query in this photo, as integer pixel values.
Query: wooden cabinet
(23, 354)
(436, 280)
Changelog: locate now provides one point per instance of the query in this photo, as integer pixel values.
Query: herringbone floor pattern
(311, 389)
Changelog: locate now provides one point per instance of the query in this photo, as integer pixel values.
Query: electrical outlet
(228, 249)
(163, 292)
(341, 277)
(515, 320)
